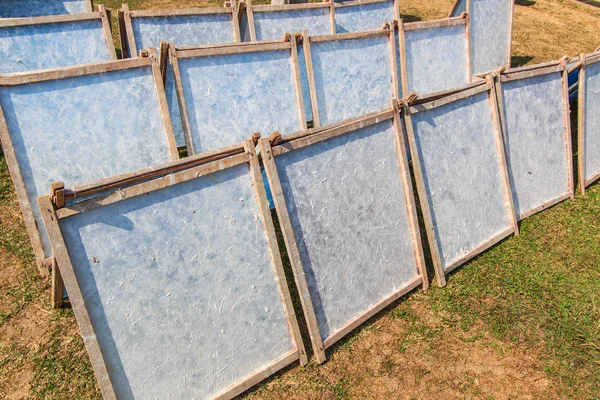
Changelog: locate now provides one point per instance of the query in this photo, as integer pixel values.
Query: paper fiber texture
(37, 8)
(363, 17)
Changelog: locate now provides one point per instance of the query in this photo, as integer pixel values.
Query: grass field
(520, 321)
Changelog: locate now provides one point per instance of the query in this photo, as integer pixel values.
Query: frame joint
(57, 193)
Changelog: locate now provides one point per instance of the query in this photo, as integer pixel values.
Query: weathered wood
(394, 64)
(325, 134)
(89, 7)
(298, 84)
(265, 213)
(107, 32)
(438, 102)
(163, 105)
(88, 334)
(509, 75)
(423, 199)
(20, 78)
(289, 7)
(139, 189)
(251, 26)
(58, 286)
(292, 247)
(581, 128)
(131, 45)
(238, 49)
(411, 209)
(501, 150)
(403, 62)
(567, 124)
(185, 119)
(352, 3)
(48, 19)
(235, 21)
(177, 12)
(310, 75)
(350, 35)
(438, 23)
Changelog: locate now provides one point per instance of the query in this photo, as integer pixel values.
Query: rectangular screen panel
(182, 30)
(345, 82)
(355, 16)
(38, 8)
(227, 97)
(61, 44)
(490, 33)
(346, 198)
(536, 140)
(181, 291)
(66, 130)
(462, 178)
(435, 58)
(589, 123)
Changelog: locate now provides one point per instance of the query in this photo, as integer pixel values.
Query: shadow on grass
(410, 18)
(519, 61)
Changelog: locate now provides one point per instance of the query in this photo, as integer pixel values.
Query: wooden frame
(421, 25)
(175, 54)
(584, 60)
(179, 172)
(270, 151)
(251, 9)
(126, 16)
(101, 14)
(23, 78)
(529, 72)
(440, 271)
(308, 40)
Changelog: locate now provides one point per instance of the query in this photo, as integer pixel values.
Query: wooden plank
(48, 19)
(450, 99)
(163, 105)
(591, 180)
(394, 63)
(26, 209)
(567, 125)
(354, 3)
(89, 7)
(131, 45)
(179, 176)
(403, 61)
(438, 23)
(310, 76)
(350, 35)
(130, 178)
(510, 33)
(445, 93)
(355, 323)
(468, 40)
(179, 12)
(107, 32)
(423, 199)
(88, 334)
(531, 67)
(163, 61)
(20, 78)
(508, 76)
(335, 130)
(292, 247)
(289, 7)
(185, 119)
(265, 213)
(350, 124)
(123, 34)
(333, 24)
(298, 84)
(251, 26)
(501, 150)
(235, 21)
(581, 129)
(227, 50)
(592, 58)
(58, 286)
(411, 209)
(259, 376)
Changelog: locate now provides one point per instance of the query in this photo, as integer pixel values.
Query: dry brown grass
(490, 334)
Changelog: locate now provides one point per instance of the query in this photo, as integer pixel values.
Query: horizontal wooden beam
(20, 78)
(349, 36)
(150, 186)
(438, 23)
(508, 76)
(49, 19)
(237, 49)
(103, 185)
(355, 3)
(430, 105)
(180, 12)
